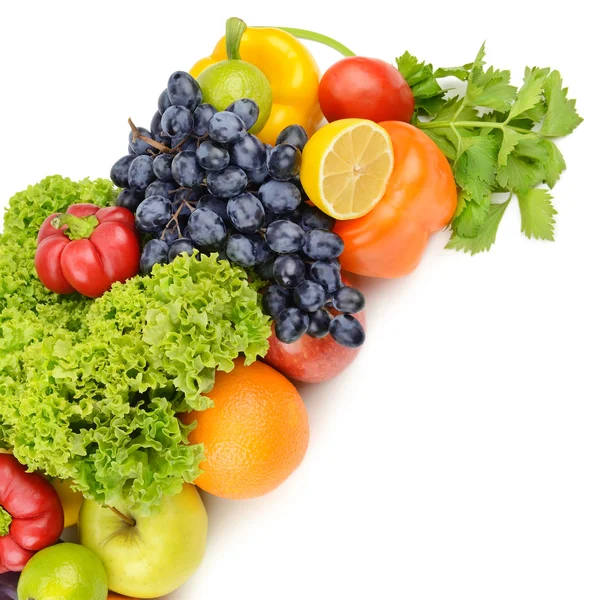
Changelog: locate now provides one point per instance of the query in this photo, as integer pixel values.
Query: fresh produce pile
(132, 317)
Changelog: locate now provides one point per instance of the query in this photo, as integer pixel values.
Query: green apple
(152, 555)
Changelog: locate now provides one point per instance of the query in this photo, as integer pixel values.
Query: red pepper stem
(5, 521)
(234, 30)
(305, 34)
(77, 228)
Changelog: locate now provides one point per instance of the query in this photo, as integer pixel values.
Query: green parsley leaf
(530, 93)
(461, 73)
(486, 236)
(554, 164)
(496, 139)
(475, 168)
(472, 216)
(491, 89)
(537, 214)
(561, 118)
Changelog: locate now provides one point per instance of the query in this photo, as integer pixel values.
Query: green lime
(63, 572)
(233, 79)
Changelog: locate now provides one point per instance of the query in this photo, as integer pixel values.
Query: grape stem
(140, 136)
(305, 34)
(121, 516)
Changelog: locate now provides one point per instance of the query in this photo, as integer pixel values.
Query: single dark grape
(347, 331)
(275, 299)
(348, 300)
(319, 324)
(138, 145)
(153, 214)
(279, 196)
(141, 174)
(162, 167)
(314, 218)
(226, 128)
(212, 156)
(119, 172)
(154, 252)
(291, 324)
(309, 296)
(293, 134)
(284, 237)
(226, 183)
(259, 176)
(129, 199)
(263, 252)
(177, 121)
(161, 188)
(207, 229)
(288, 271)
(219, 206)
(184, 90)
(186, 170)
(155, 126)
(241, 250)
(246, 109)
(163, 102)
(322, 245)
(284, 162)
(249, 153)
(327, 274)
(180, 246)
(246, 212)
(202, 116)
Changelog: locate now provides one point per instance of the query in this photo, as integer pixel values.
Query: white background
(459, 456)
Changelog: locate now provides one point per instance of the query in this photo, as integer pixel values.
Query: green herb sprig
(498, 139)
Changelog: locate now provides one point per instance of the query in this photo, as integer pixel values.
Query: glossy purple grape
(246, 213)
(290, 325)
(284, 237)
(347, 331)
(309, 296)
(186, 170)
(348, 300)
(119, 172)
(289, 271)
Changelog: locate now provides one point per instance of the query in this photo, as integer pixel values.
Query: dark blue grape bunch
(198, 181)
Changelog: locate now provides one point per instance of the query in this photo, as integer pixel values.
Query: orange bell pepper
(291, 70)
(420, 199)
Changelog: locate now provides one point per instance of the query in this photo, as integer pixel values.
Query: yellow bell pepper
(291, 70)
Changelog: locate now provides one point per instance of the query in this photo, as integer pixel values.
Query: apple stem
(121, 516)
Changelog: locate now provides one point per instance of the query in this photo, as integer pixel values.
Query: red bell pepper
(87, 249)
(31, 515)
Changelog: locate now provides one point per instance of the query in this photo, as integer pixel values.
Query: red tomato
(365, 88)
(311, 360)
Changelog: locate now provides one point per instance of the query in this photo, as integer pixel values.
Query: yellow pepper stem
(305, 34)
(234, 30)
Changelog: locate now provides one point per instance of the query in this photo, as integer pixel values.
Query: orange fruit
(255, 436)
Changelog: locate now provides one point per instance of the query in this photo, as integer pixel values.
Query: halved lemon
(346, 166)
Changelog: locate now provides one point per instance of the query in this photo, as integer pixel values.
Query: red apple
(311, 360)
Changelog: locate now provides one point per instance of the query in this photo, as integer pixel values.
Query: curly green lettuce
(90, 390)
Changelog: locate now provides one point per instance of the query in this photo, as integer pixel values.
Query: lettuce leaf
(90, 390)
